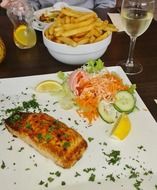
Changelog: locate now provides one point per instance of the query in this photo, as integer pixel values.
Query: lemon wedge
(20, 35)
(51, 86)
(122, 127)
(2, 50)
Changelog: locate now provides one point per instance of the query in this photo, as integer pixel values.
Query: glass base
(132, 69)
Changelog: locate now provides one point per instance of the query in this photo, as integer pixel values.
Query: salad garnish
(94, 66)
(100, 87)
(91, 84)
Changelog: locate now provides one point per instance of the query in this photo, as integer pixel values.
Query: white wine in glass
(136, 17)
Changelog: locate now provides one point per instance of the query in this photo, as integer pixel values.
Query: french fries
(74, 28)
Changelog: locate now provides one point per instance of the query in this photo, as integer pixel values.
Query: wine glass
(136, 16)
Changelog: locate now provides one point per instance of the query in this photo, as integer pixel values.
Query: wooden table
(38, 61)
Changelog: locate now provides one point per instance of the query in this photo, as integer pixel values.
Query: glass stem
(130, 60)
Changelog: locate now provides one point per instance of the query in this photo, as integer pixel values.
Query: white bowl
(76, 55)
(79, 54)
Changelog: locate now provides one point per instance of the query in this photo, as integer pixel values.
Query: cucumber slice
(107, 112)
(124, 102)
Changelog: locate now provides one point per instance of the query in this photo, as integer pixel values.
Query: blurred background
(118, 4)
(2, 11)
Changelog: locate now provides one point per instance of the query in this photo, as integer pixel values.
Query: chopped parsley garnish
(14, 118)
(76, 122)
(150, 172)
(65, 135)
(20, 150)
(92, 177)
(141, 148)
(87, 170)
(26, 106)
(10, 148)
(12, 111)
(110, 177)
(77, 174)
(104, 143)
(31, 104)
(129, 167)
(90, 139)
(3, 165)
(58, 174)
(63, 183)
(27, 169)
(46, 110)
(137, 184)
(113, 157)
(133, 174)
(28, 126)
(50, 179)
(48, 137)
(66, 144)
(39, 136)
(41, 182)
(51, 128)
(46, 184)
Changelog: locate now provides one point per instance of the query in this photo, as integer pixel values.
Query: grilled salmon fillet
(51, 137)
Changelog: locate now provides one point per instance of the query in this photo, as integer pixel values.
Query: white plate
(24, 168)
(38, 25)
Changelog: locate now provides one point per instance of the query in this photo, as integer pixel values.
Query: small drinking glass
(136, 17)
(21, 15)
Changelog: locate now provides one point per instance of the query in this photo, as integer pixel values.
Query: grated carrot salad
(103, 86)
